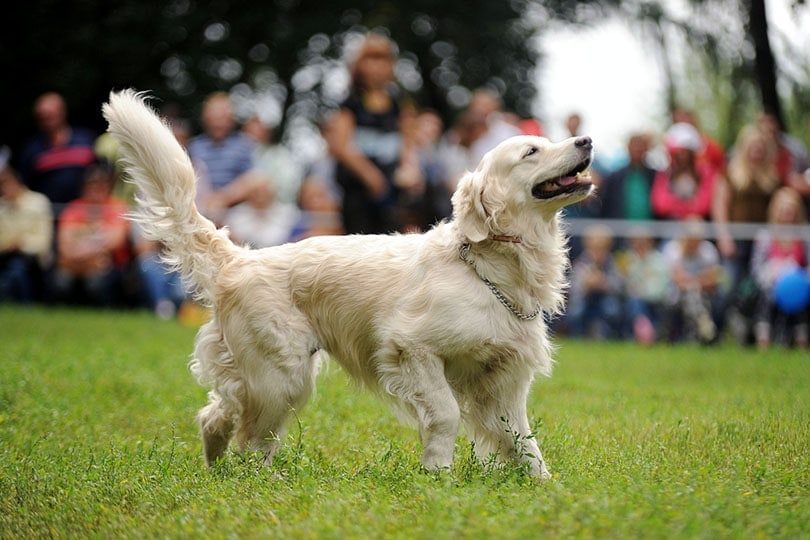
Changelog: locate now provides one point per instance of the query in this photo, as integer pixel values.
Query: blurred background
(630, 61)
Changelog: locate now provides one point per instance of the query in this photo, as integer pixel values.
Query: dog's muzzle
(576, 181)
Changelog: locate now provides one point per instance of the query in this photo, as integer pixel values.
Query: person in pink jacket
(684, 188)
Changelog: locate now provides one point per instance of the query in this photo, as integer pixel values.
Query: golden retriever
(448, 325)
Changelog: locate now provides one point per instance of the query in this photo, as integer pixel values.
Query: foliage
(182, 50)
(286, 57)
(97, 439)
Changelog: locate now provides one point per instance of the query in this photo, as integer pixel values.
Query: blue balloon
(792, 292)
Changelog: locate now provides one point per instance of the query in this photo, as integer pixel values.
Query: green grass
(98, 439)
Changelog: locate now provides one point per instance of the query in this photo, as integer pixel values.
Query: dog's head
(522, 180)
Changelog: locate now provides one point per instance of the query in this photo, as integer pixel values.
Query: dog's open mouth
(577, 180)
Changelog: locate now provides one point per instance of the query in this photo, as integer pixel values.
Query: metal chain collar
(463, 253)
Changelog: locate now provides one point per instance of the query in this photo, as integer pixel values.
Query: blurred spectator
(486, 105)
(589, 208)
(742, 196)
(161, 288)
(274, 161)
(26, 236)
(455, 147)
(685, 188)
(775, 254)
(225, 152)
(423, 198)
(573, 124)
(367, 141)
(595, 305)
(53, 162)
(261, 220)
(791, 155)
(531, 126)
(92, 243)
(711, 154)
(694, 302)
(647, 281)
(320, 210)
(626, 192)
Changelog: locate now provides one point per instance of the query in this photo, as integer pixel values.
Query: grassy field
(97, 439)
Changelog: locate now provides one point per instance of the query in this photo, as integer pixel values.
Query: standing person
(53, 162)
(367, 142)
(685, 188)
(711, 154)
(743, 195)
(92, 243)
(424, 199)
(26, 236)
(225, 152)
(626, 193)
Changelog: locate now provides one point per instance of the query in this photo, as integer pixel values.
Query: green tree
(181, 50)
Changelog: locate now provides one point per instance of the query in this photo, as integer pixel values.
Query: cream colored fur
(403, 314)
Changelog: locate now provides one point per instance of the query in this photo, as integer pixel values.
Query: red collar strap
(505, 238)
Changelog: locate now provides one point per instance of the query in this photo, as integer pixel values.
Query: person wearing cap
(684, 188)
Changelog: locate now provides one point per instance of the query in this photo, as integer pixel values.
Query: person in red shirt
(92, 247)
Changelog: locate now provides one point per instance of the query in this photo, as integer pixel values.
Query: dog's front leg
(416, 377)
(498, 425)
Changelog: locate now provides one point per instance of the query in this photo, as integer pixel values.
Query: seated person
(648, 281)
(777, 253)
(261, 221)
(595, 306)
(92, 243)
(161, 288)
(694, 303)
(26, 235)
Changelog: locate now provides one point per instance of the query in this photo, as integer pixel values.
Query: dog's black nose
(584, 142)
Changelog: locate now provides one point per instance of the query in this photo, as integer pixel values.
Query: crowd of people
(391, 166)
(741, 234)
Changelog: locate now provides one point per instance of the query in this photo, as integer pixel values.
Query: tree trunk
(764, 64)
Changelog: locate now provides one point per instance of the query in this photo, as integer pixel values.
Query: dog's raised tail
(165, 183)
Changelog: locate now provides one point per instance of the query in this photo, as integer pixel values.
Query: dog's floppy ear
(468, 207)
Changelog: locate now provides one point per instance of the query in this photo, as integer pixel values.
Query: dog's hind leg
(417, 379)
(276, 390)
(216, 429)
(213, 365)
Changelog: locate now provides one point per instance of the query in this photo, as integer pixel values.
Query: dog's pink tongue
(567, 180)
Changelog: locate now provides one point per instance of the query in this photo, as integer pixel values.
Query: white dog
(448, 325)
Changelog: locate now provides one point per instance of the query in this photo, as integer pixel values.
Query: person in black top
(367, 141)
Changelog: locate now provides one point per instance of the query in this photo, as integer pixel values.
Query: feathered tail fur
(166, 186)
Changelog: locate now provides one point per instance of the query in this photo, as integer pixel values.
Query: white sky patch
(614, 80)
(606, 75)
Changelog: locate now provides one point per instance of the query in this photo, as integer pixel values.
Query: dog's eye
(530, 151)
